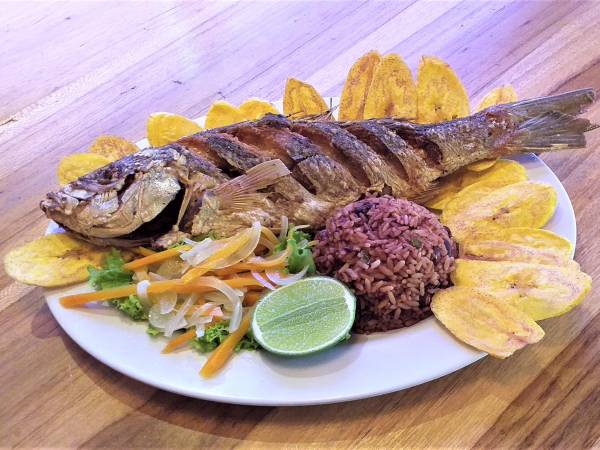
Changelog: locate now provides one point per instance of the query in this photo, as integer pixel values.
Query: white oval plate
(363, 367)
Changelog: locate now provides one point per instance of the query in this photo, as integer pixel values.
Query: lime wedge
(304, 317)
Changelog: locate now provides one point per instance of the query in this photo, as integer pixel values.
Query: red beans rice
(393, 253)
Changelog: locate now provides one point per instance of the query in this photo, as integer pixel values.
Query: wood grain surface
(73, 71)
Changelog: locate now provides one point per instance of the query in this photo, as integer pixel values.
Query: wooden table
(73, 71)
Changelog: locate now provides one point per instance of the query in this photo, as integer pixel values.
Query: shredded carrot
(71, 301)
(223, 352)
(155, 257)
(232, 247)
(269, 235)
(178, 341)
(144, 251)
(242, 282)
(196, 272)
(155, 287)
(251, 298)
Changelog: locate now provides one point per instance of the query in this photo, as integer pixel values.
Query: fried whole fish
(223, 179)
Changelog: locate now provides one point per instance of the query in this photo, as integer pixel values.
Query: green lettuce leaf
(112, 275)
(216, 334)
(301, 255)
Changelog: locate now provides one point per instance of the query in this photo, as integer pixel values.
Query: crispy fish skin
(330, 164)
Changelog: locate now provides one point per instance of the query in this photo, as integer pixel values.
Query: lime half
(304, 317)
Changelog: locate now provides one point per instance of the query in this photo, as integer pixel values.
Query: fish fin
(547, 123)
(240, 193)
(573, 103)
(549, 131)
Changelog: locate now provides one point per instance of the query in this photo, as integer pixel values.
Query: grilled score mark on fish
(302, 169)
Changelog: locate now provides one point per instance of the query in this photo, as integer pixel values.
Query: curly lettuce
(216, 334)
(112, 275)
(301, 255)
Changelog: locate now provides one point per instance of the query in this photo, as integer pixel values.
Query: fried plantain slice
(53, 260)
(524, 204)
(255, 108)
(393, 92)
(164, 128)
(497, 250)
(357, 85)
(440, 93)
(221, 114)
(73, 166)
(484, 321)
(540, 290)
(302, 100)
(531, 237)
(496, 175)
(113, 147)
(498, 96)
(480, 166)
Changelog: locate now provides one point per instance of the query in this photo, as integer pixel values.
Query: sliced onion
(201, 251)
(277, 278)
(266, 243)
(160, 321)
(201, 311)
(258, 277)
(218, 298)
(166, 301)
(279, 257)
(141, 290)
(156, 277)
(171, 268)
(174, 323)
(236, 317)
(253, 236)
(231, 295)
(284, 228)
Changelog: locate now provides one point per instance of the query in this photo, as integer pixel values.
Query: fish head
(131, 201)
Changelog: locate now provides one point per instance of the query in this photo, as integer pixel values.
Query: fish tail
(549, 123)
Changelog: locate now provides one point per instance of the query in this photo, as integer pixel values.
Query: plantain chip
(447, 189)
(525, 204)
(504, 173)
(541, 291)
(531, 237)
(482, 165)
(302, 100)
(53, 260)
(393, 92)
(497, 96)
(255, 108)
(452, 184)
(221, 114)
(357, 85)
(164, 128)
(496, 250)
(440, 93)
(484, 321)
(73, 166)
(113, 147)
